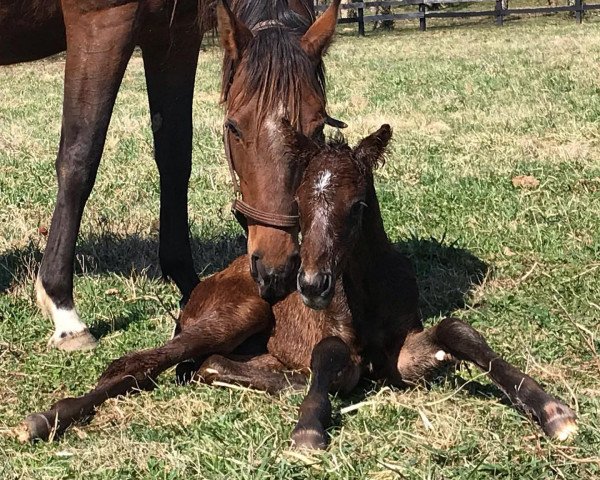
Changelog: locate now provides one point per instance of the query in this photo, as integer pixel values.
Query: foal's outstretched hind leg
(130, 373)
(203, 334)
(455, 338)
(99, 45)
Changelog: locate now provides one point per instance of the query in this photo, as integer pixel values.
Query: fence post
(422, 21)
(361, 22)
(499, 16)
(578, 10)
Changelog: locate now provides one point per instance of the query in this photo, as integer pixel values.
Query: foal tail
(131, 373)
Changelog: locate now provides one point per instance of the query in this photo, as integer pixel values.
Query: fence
(500, 11)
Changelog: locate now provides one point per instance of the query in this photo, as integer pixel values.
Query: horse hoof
(70, 342)
(35, 427)
(309, 438)
(559, 421)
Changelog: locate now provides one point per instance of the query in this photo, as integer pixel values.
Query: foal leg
(332, 369)
(454, 338)
(170, 55)
(203, 335)
(262, 372)
(99, 45)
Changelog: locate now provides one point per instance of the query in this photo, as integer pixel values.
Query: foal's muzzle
(316, 289)
(274, 283)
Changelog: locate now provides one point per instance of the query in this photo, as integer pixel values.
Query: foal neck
(372, 243)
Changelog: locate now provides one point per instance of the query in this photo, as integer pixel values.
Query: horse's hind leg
(332, 369)
(132, 372)
(262, 372)
(425, 350)
(202, 335)
(170, 57)
(99, 45)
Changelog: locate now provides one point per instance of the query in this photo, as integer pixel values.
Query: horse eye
(318, 134)
(357, 207)
(234, 129)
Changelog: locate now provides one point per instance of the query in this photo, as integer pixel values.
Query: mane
(275, 64)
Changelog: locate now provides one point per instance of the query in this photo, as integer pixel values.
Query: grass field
(472, 107)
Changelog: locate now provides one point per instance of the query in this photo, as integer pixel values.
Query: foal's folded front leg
(332, 369)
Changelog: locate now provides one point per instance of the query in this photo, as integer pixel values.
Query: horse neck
(372, 244)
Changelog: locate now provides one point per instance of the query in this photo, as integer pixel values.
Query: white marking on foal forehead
(323, 181)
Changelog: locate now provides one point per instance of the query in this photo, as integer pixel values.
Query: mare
(355, 313)
(272, 69)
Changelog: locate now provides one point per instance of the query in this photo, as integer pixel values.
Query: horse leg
(262, 372)
(99, 45)
(138, 371)
(332, 369)
(425, 350)
(170, 59)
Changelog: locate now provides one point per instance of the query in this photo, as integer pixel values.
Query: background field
(472, 107)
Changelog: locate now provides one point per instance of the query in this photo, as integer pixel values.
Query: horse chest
(298, 329)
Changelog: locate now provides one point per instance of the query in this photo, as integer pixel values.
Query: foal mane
(275, 64)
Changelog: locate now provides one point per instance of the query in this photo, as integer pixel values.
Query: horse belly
(30, 30)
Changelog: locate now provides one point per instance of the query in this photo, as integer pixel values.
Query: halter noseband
(242, 211)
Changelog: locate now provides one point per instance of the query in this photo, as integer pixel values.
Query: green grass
(472, 107)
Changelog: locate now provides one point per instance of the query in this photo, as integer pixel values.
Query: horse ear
(370, 150)
(318, 37)
(234, 35)
(299, 144)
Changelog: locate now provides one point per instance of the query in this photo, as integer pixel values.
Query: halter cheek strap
(243, 211)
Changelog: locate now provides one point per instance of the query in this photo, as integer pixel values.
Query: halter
(242, 211)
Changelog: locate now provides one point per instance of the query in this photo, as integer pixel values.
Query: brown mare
(272, 69)
(355, 313)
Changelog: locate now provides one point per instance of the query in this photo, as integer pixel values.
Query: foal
(355, 313)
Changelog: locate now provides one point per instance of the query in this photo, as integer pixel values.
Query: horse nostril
(325, 284)
(319, 284)
(254, 259)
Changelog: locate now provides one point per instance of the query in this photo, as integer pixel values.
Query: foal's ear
(318, 37)
(370, 150)
(234, 35)
(301, 146)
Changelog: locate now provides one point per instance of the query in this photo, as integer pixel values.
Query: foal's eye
(357, 207)
(318, 134)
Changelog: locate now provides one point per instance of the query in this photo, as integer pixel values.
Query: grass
(472, 107)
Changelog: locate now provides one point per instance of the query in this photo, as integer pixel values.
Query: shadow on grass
(446, 272)
(122, 255)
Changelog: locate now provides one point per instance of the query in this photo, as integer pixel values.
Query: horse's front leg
(170, 58)
(99, 45)
(332, 370)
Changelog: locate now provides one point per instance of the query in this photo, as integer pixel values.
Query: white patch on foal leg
(440, 355)
(70, 333)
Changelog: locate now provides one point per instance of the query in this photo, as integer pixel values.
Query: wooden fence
(500, 11)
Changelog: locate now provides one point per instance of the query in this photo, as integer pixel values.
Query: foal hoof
(558, 421)
(35, 427)
(309, 438)
(72, 341)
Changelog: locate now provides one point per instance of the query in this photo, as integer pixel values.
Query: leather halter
(242, 211)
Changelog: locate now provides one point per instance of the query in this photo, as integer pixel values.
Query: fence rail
(423, 13)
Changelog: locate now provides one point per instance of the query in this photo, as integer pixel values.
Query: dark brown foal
(355, 313)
